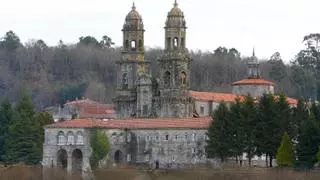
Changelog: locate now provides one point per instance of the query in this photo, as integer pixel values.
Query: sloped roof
(253, 81)
(213, 96)
(87, 107)
(161, 123)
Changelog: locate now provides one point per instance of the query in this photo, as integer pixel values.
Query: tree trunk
(249, 159)
(267, 160)
(270, 160)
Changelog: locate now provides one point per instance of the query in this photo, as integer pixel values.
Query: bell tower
(130, 65)
(175, 66)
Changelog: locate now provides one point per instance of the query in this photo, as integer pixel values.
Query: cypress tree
(100, 147)
(285, 156)
(220, 136)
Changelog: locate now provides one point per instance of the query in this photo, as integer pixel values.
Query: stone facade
(160, 122)
(67, 148)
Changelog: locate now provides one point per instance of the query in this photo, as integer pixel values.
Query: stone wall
(52, 148)
(252, 90)
(162, 148)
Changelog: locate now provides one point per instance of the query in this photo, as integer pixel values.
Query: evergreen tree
(266, 127)
(23, 141)
(237, 128)
(308, 143)
(220, 134)
(299, 114)
(249, 119)
(285, 156)
(6, 113)
(40, 120)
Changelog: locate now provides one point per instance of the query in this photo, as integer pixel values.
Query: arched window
(169, 42)
(70, 138)
(61, 138)
(80, 138)
(183, 78)
(175, 42)
(167, 79)
(133, 45)
(125, 80)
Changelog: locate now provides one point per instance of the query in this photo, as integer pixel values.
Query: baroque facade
(161, 122)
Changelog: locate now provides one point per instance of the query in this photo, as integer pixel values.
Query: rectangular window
(176, 137)
(202, 110)
(70, 140)
(80, 140)
(145, 110)
(167, 137)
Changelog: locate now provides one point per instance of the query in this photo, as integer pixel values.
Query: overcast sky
(267, 25)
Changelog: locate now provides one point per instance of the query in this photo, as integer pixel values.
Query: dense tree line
(21, 131)
(266, 126)
(68, 71)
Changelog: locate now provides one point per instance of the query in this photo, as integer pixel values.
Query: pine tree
(266, 127)
(219, 143)
(6, 113)
(23, 141)
(308, 143)
(237, 128)
(285, 156)
(249, 119)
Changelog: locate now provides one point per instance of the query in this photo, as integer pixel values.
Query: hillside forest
(54, 74)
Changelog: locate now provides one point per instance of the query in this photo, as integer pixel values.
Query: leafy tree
(308, 143)
(249, 119)
(220, 134)
(285, 156)
(71, 92)
(6, 113)
(89, 40)
(106, 42)
(23, 142)
(10, 41)
(100, 147)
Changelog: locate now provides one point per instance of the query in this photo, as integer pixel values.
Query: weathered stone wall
(252, 90)
(51, 147)
(167, 148)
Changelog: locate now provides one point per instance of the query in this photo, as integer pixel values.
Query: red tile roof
(219, 97)
(259, 81)
(163, 123)
(87, 107)
(212, 96)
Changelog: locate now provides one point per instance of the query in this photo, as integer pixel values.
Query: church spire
(175, 3)
(253, 53)
(133, 6)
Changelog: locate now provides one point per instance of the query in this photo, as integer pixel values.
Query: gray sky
(267, 25)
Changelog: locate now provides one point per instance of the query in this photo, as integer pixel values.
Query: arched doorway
(118, 157)
(77, 160)
(62, 159)
(157, 164)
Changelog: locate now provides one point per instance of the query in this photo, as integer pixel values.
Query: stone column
(69, 167)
